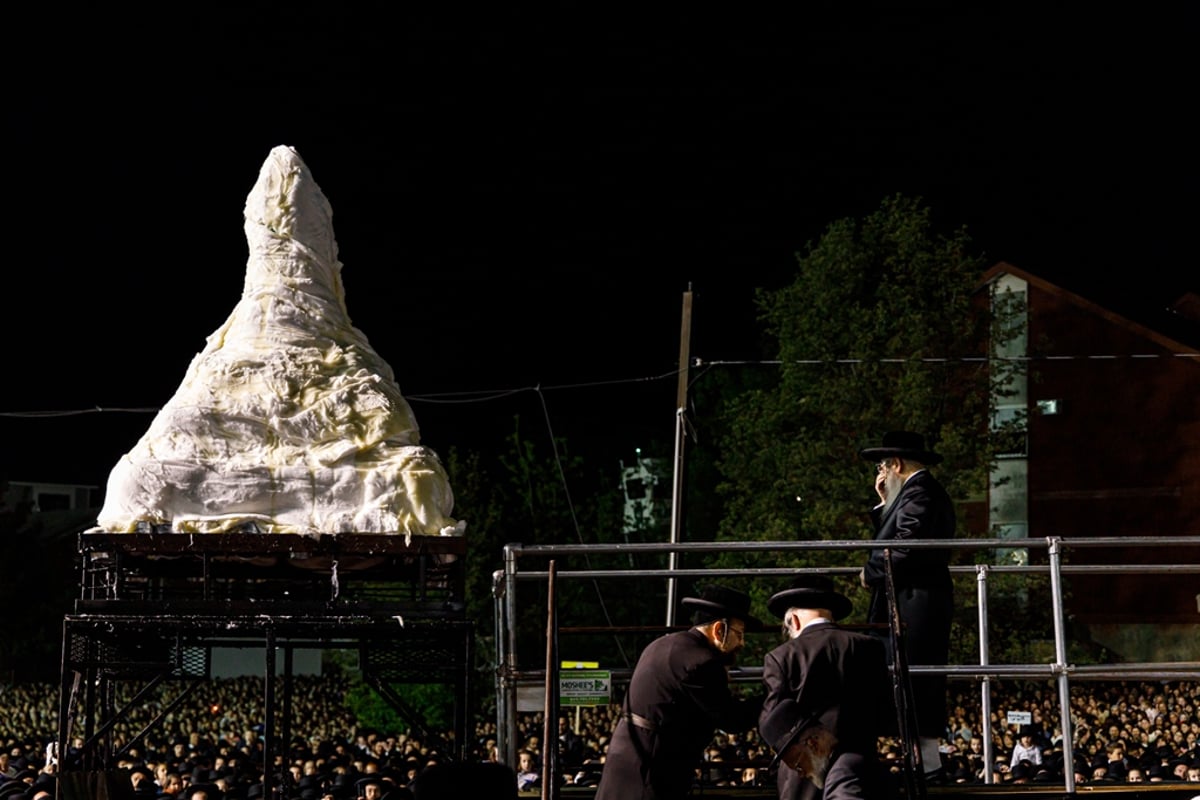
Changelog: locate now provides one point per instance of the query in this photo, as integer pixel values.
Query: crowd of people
(824, 718)
(212, 748)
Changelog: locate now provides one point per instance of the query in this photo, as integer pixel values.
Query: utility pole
(685, 335)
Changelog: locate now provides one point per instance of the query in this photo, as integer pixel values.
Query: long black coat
(843, 674)
(924, 591)
(681, 685)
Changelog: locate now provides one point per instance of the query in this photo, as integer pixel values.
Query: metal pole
(906, 721)
(68, 682)
(985, 684)
(509, 666)
(285, 727)
(676, 494)
(502, 676)
(685, 335)
(269, 716)
(1060, 656)
(550, 699)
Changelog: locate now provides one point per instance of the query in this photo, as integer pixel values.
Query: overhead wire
(488, 395)
(575, 521)
(704, 366)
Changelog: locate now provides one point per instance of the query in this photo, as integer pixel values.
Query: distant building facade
(1110, 447)
(42, 497)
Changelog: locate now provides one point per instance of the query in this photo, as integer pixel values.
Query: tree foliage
(883, 327)
(535, 492)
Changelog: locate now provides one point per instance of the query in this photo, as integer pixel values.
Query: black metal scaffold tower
(152, 608)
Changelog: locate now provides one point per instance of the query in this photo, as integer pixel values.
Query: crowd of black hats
(212, 749)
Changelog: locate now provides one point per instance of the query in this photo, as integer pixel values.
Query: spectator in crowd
(570, 745)
(1026, 750)
(528, 776)
(1117, 766)
(28, 724)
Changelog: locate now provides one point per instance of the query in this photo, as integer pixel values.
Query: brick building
(1111, 449)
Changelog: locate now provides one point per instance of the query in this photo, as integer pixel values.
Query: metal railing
(510, 675)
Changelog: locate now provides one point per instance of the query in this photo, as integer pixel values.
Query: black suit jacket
(843, 676)
(681, 685)
(923, 510)
(924, 590)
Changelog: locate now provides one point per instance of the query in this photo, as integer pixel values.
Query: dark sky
(521, 200)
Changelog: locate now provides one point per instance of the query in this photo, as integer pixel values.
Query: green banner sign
(585, 687)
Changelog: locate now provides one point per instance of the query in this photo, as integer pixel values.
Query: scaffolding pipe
(509, 698)
(985, 685)
(550, 696)
(510, 674)
(1060, 657)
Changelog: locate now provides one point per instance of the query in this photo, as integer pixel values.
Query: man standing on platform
(914, 505)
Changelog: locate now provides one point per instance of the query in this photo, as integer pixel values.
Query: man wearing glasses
(914, 505)
(678, 696)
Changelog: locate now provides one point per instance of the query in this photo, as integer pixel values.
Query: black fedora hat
(718, 602)
(902, 444)
(211, 789)
(810, 590)
(13, 789)
(783, 726)
(362, 783)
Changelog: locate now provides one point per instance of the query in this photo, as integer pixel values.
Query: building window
(1010, 432)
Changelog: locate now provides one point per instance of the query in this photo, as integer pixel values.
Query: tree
(882, 328)
(532, 492)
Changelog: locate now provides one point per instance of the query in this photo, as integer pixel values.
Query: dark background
(521, 199)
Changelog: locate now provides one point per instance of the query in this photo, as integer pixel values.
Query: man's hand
(881, 485)
(862, 578)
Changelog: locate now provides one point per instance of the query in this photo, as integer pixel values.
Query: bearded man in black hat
(677, 698)
(836, 678)
(914, 505)
(806, 746)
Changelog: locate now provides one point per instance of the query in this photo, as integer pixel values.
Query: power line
(937, 359)
(488, 395)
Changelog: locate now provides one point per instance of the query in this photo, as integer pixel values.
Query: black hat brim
(838, 604)
(924, 456)
(721, 610)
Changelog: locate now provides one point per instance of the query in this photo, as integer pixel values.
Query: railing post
(503, 679)
(985, 685)
(510, 675)
(1061, 666)
(676, 516)
(509, 665)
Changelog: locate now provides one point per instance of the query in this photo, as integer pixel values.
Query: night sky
(521, 200)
